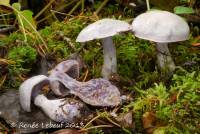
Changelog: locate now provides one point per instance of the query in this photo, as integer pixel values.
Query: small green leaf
(16, 6)
(24, 17)
(27, 17)
(183, 10)
(5, 2)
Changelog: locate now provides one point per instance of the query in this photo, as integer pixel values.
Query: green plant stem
(75, 7)
(18, 13)
(4, 18)
(22, 27)
(91, 121)
(93, 127)
(82, 6)
(148, 5)
(64, 6)
(47, 6)
(101, 6)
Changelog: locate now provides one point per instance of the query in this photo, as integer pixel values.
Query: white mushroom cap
(26, 88)
(160, 26)
(102, 29)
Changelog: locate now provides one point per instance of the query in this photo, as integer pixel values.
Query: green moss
(24, 55)
(180, 113)
(134, 56)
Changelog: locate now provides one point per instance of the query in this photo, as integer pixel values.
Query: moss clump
(176, 108)
(23, 57)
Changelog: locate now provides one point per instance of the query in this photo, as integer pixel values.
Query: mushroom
(59, 110)
(29, 89)
(161, 27)
(62, 110)
(71, 67)
(104, 29)
(96, 92)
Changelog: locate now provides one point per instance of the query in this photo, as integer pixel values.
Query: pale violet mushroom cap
(102, 29)
(160, 26)
(26, 90)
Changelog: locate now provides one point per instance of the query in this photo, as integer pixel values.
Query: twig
(7, 61)
(91, 121)
(6, 29)
(100, 7)
(49, 4)
(99, 126)
(68, 40)
(3, 80)
(33, 28)
(82, 6)
(86, 74)
(148, 5)
(75, 7)
(112, 122)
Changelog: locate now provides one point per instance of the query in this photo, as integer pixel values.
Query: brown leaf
(126, 120)
(149, 121)
(196, 44)
(172, 99)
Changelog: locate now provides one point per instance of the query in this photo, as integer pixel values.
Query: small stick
(75, 7)
(148, 5)
(86, 74)
(48, 5)
(82, 6)
(100, 7)
(91, 121)
(99, 126)
(3, 80)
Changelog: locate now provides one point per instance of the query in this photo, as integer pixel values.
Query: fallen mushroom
(71, 67)
(62, 110)
(104, 29)
(161, 27)
(59, 110)
(29, 89)
(96, 92)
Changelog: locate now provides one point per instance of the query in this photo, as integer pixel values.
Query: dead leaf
(126, 120)
(196, 44)
(149, 121)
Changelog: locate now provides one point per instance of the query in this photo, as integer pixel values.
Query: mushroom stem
(69, 82)
(46, 105)
(110, 60)
(164, 59)
(60, 110)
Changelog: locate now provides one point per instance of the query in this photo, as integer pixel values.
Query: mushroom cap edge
(103, 28)
(25, 91)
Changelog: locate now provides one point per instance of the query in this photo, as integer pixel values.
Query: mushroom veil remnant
(161, 27)
(104, 29)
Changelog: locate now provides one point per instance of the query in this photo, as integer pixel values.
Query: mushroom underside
(71, 68)
(29, 89)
